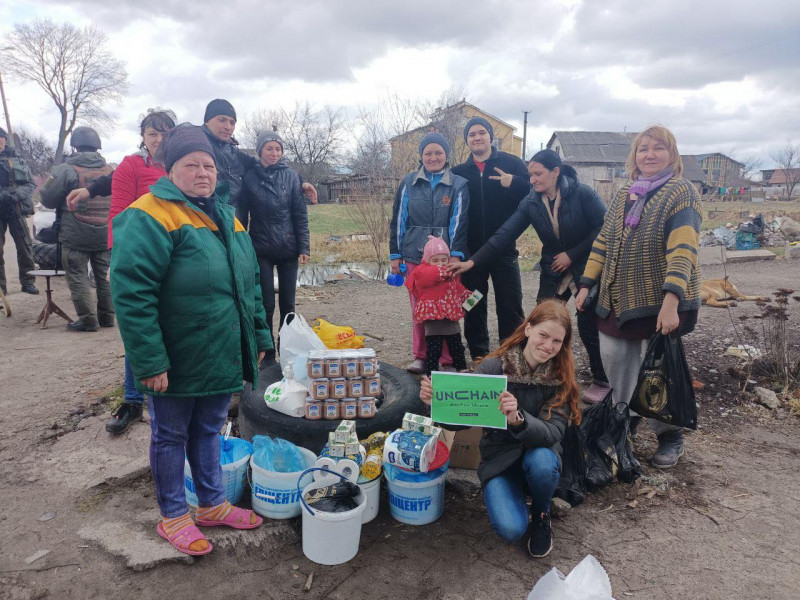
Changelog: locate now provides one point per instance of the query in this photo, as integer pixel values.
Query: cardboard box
(464, 453)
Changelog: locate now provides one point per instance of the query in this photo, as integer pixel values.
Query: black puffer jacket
(232, 164)
(580, 218)
(490, 204)
(500, 449)
(273, 206)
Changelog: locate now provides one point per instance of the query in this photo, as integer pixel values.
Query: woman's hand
(426, 390)
(668, 320)
(509, 407)
(457, 268)
(505, 179)
(75, 196)
(396, 266)
(561, 262)
(581, 298)
(304, 258)
(157, 383)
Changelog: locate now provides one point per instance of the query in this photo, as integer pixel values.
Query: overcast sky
(723, 75)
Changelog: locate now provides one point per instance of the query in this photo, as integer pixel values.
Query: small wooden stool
(50, 307)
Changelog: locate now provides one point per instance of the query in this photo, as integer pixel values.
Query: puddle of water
(316, 274)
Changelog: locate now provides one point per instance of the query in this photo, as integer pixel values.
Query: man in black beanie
(219, 123)
(497, 182)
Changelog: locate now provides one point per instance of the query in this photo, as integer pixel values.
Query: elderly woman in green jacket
(186, 290)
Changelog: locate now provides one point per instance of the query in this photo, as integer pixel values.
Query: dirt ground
(723, 524)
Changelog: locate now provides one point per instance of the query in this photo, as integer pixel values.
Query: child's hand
(426, 390)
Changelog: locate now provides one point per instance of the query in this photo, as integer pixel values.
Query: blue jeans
(132, 395)
(186, 428)
(537, 475)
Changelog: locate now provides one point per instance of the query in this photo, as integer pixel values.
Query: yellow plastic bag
(337, 337)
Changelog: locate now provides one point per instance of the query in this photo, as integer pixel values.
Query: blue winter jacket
(429, 204)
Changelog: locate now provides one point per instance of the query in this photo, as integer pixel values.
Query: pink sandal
(184, 538)
(238, 518)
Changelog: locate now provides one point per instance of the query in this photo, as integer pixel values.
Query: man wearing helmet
(83, 229)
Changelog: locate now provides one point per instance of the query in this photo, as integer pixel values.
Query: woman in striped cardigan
(645, 262)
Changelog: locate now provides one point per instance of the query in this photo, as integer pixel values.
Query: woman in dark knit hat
(430, 201)
(273, 209)
(183, 279)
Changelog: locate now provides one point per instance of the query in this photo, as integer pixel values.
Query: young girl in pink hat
(439, 297)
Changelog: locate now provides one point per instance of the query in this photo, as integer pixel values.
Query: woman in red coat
(132, 179)
(439, 297)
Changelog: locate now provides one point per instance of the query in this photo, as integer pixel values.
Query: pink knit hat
(434, 246)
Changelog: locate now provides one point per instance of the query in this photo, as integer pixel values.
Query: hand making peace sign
(504, 178)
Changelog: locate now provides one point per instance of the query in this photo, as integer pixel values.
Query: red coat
(132, 179)
(438, 297)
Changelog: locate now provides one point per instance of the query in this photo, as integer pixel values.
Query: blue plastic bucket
(234, 476)
(415, 498)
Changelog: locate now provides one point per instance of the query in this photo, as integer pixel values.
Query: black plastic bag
(664, 389)
(607, 447)
(572, 483)
(338, 497)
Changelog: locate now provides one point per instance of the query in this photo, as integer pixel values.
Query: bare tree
(787, 158)
(36, 151)
(72, 66)
(256, 122)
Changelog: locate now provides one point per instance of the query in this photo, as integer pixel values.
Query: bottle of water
(397, 279)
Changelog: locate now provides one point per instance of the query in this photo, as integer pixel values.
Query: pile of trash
(753, 233)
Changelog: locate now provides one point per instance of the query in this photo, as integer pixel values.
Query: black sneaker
(30, 289)
(670, 449)
(541, 541)
(78, 326)
(107, 322)
(123, 416)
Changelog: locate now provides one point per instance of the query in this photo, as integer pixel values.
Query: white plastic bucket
(233, 477)
(415, 498)
(275, 495)
(331, 538)
(372, 490)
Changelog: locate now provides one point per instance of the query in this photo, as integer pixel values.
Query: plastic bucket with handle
(330, 538)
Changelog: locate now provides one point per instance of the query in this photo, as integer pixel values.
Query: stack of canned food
(342, 384)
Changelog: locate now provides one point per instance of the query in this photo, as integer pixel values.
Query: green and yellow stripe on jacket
(636, 266)
(187, 295)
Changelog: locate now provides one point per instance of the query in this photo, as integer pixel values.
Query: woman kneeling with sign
(542, 398)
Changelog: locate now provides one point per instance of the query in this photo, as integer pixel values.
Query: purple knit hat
(435, 245)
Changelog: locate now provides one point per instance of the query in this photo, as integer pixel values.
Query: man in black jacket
(497, 182)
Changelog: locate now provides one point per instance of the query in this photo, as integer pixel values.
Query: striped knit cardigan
(637, 266)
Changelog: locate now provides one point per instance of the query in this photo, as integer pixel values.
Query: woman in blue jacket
(430, 201)
(567, 216)
(273, 206)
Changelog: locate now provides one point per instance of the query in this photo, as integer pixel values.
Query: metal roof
(595, 147)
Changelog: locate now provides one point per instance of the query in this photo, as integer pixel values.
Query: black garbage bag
(339, 497)
(572, 483)
(664, 389)
(756, 226)
(608, 451)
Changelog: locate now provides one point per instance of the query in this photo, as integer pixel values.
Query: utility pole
(524, 133)
(5, 111)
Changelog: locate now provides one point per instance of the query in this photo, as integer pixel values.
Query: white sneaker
(417, 367)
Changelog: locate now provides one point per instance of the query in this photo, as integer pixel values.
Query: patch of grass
(331, 219)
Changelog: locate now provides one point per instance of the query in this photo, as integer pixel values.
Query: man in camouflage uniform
(83, 232)
(16, 203)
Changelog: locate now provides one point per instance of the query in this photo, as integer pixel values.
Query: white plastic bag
(587, 581)
(287, 396)
(297, 340)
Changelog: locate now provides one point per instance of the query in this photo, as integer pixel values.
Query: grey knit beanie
(264, 138)
(180, 141)
(434, 137)
(478, 121)
(3, 133)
